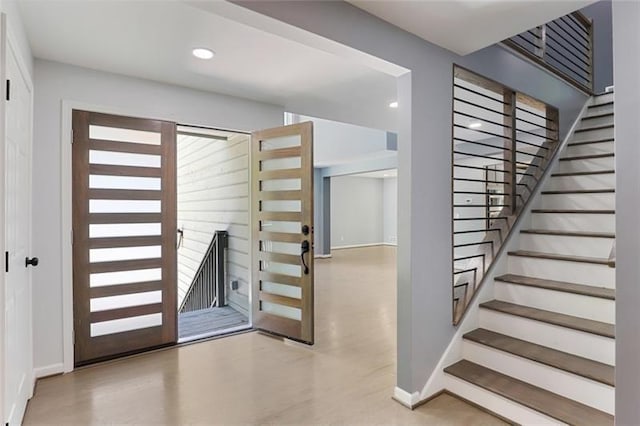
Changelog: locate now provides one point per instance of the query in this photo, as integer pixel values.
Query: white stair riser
(497, 404)
(597, 121)
(603, 109)
(576, 305)
(593, 135)
(577, 388)
(593, 201)
(588, 149)
(574, 222)
(587, 345)
(586, 165)
(597, 181)
(602, 99)
(562, 244)
(559, 270)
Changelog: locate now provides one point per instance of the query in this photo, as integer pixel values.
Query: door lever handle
(305, 248)
(33, 262)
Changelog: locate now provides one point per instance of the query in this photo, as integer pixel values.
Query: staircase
(544, 349)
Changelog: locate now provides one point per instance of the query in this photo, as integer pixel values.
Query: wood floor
(212, 320)
(347, 377)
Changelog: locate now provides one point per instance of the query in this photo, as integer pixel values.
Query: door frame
(66, 221)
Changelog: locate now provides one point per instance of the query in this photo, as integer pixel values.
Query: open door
(282, 231)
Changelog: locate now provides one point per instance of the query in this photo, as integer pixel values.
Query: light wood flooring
(346, 378)
(212, 320)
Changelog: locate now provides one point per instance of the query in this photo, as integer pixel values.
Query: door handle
(33, 262)
(305, 248)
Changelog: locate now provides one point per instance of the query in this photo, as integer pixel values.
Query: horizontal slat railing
(502, 143)
(564, 46)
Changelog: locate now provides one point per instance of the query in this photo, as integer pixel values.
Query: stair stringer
(438, 381)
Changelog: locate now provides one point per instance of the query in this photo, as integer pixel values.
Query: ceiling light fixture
(475, 125)
(393, 104)
(203, 53)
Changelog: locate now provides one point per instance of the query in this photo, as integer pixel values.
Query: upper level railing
(564, 46)
(503, 141)
(208, 286)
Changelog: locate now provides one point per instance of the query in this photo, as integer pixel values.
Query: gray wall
(424, 158)
(356, 211)
(600, 12)
(626, 37)
(54, 83)
(390, 211)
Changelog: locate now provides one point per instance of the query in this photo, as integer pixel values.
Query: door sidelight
(304, 249)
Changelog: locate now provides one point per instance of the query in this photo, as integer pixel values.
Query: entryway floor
(209, 321)
(347, 377)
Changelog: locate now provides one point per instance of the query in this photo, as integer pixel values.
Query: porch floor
(207, 321)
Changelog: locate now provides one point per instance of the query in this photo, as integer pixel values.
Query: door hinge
(72, 136)
(6, 261)
(8, 90)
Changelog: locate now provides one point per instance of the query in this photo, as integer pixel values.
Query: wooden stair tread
(553, 256)
(562, 320)
(603, 114)
(595, 172)
(590, 129)
(541, 400)
(581, 191)
(569, 233)
(591, 141)
(585, 290)
(602, 104)
(580, 366)
(588, 157)
(574, 211)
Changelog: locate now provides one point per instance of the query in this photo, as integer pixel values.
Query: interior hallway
(347, 377)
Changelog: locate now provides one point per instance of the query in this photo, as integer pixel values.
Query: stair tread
(593, 128)
(541, 400)
(588, 157)
(554, 256)
(595, 172)
(602, 104)
(580, 366)
(585, 290)
(600, 115)
(591, 141)
(581, 191)
(569, 233)
(576, 323)
(576, 211)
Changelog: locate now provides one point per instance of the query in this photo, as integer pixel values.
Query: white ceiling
(481, 22)
(154, 39)
(380, 174)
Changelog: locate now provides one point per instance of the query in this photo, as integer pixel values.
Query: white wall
(55, 83)
(213, 195)
(17, 32)
(390, 210)
(356, 211)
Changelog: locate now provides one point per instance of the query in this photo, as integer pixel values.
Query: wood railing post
(509, 98)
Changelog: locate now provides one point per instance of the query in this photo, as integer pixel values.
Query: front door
(18, 322)
(282, 231)
(124, 235)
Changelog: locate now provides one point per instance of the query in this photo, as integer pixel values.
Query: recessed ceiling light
(393, 104)
(202, 53)
(475, 125)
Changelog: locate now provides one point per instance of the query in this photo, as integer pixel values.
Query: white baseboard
(48, 370)
(390, 244)
(322, 256)
(409, 400)
(357, 246)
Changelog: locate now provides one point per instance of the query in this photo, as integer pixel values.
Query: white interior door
(18, 316)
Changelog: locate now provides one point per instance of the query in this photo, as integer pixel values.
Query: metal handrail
(564, 46)
(208, 286)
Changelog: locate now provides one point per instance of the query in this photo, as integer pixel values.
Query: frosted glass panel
(124, 206)
(125, 324)
(282, 311)
(278, 247)
(124, 230)
(279, 143)
(281, 163)
(279, 226)
(282, 289)
(281, 185)
(123, 135)
(124, 182)
(125, 301)
(124, 159)
(282, 268)
(124, 253)
(281, 206)
(125, 277)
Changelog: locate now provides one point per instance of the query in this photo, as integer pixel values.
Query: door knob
(304, 249)
(33, 262)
